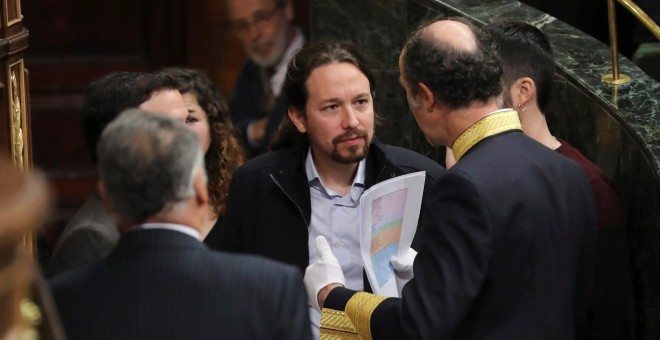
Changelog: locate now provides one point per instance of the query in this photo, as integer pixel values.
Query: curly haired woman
(208, 116)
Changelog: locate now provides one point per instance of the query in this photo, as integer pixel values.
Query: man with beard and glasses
(264, 27)
(326, 156)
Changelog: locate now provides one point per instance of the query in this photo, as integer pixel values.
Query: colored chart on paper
(386, 219)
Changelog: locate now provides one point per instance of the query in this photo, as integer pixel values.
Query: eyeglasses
(259, 19)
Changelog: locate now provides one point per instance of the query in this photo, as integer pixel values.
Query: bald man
(503, 229)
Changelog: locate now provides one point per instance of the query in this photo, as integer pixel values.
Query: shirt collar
(168, 226)
(278, 77)
(315, 180)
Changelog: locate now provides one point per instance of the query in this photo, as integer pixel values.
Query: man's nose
(253, 32)
(349, 119)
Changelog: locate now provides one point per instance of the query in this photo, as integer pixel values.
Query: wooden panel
(76, 41)
(19, 132)
(72, 43)
(13, 14)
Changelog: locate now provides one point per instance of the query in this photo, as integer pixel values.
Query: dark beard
(356, 153)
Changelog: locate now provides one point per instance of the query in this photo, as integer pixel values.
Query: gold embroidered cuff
(336, 325)
(355, 322)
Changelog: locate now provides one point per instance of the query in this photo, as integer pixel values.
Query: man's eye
(260, 17)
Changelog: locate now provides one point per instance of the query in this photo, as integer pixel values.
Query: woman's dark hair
(225, 154)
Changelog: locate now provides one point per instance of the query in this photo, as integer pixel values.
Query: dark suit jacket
(246, 105)
(87, 238)
(502, 233)
(163, 284)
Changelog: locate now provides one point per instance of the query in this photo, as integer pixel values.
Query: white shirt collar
(168, 226)
(278, 77)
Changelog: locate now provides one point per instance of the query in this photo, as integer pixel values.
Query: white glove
(403, 268)
(324, 271)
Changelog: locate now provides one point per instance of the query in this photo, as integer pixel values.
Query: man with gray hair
(257, 105)
(160, 281)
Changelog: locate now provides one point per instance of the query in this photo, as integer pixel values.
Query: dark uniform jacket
(501, 236)
(269, 211)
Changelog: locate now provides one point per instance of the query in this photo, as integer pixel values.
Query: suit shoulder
(80, 247)
(91, 215)
(71, 281)
(411, 161)
(257, 266)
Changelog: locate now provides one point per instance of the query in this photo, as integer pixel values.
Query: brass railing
(615, 77)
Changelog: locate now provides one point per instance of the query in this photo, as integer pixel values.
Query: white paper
(389, 213)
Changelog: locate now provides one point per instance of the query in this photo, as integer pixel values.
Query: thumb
(323, 249)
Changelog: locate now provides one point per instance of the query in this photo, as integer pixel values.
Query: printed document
(389, 214)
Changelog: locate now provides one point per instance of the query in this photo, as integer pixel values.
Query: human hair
(224, 155)
(311, 56)
(147, 164)
(107, 96)
(456, 77)
(278, 3)
(525, 52)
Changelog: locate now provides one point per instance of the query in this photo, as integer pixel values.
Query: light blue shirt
(338, 219)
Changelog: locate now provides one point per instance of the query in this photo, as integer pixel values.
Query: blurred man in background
(256, 105)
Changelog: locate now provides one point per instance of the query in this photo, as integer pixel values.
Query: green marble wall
(616, 127)
(378, 29)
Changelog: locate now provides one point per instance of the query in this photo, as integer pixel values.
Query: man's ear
(104, 197)
(297, 119)
(525, 90)
(201, 189)
(426, 96)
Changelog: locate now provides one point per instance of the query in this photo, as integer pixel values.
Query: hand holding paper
(321, 273)
(389, 214)
(403, 268)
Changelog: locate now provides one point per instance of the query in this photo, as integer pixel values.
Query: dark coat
(501, 238)
(87, 238)
(269, 211)
(163, 284)
(246, 105)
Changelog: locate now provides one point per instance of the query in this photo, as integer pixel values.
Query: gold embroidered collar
(492, 124)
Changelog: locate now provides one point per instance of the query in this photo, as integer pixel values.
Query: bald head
(455, 60)
(453, 33)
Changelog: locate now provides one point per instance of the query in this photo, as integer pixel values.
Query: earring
(521, 108)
